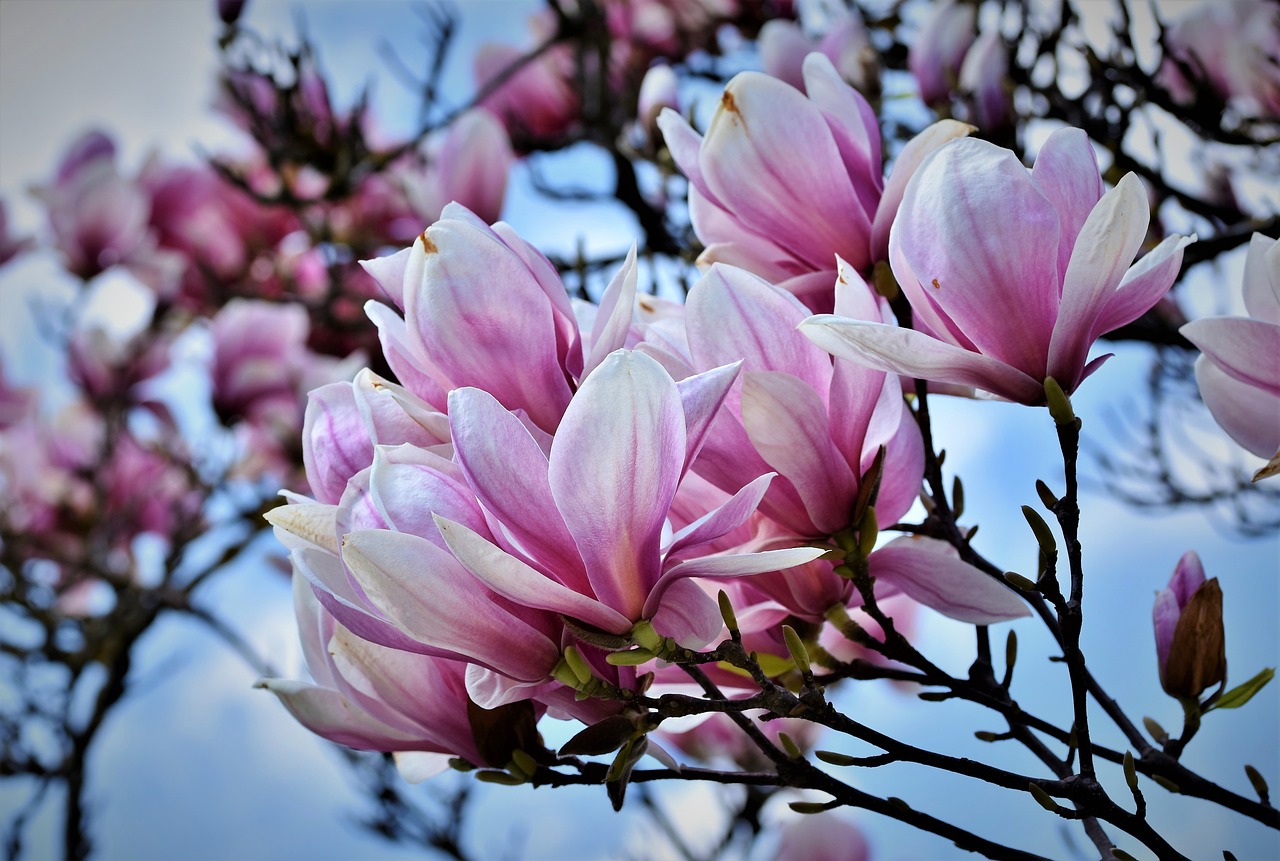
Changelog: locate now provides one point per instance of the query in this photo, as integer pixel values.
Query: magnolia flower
(818, 423)
(371, 697)
(939, 49)
(479, 301)
(1187, 618)
(100, 219)
(825, 837)
(538, 101)
(468, 164)
(788, 227)
(1239, 373)
(588, 516)
(659, 89)
(1011, 274)
(983, 81)
(1230, 48)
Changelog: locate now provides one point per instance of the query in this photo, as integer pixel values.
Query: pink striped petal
(335, 441)
(614, 467)
(508, 471)
(425, 592)
(975, 269)
(1108, 241)
(480, 311)
(330, 715)
(904, 167)
(1066, 172)
(718, 522)
(688, 615)
(913, 354)
(787, 423)
(930, 572)
(732, 314)
(1247, 350)
(513, 579)
(613, 320)
(1143, 285)
(715, 567)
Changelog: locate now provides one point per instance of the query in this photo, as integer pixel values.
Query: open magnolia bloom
(1012, 274)
(788, 226)
(1239, 373)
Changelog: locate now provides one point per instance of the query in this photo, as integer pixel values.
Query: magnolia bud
(1190, 643)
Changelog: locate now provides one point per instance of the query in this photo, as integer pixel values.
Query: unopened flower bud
(1190, 643)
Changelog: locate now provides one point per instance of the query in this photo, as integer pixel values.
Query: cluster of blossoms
(539, 511)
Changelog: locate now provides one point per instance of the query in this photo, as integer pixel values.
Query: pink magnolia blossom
(658, 89)
(586, 548)
(100, 219)
(784, 46)
(1239, 373)
(977, 235)
(371, 697)
(259, 351)
(478, 301)
(468, 164)
(789, 228)
(1230, 47)
(818, 423)
(538, 101)
(825, 837)
(984, 82)
(936, 55)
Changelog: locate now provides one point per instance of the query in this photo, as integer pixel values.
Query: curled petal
(930, 572)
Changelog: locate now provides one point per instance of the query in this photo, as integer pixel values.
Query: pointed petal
(1066, 172)
(701, 396)
(330, 715)
(1143, 285)
(308, 525)
(787, 423)
(513, 579)
(736, 565)
(717, 523)
(613, 322)
(615, 463)
(435, 600)
(1108, 241)
(930, 572)
(913, 354)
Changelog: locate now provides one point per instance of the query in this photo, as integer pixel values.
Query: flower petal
(914, 354)
(787, 423)
(1247, 350)
(1249, 415)
(930, 572)
(431, 597)
(614, 466)
(1108, 241)
(1066, 172)
(913, 153)
(967, 220)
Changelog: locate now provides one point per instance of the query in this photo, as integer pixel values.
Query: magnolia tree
(687, 499)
